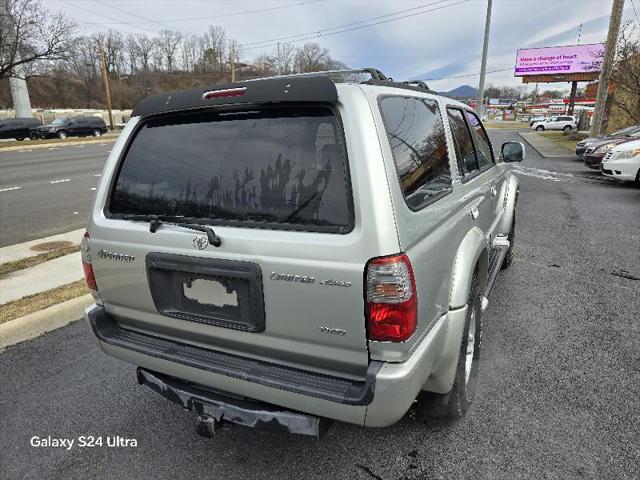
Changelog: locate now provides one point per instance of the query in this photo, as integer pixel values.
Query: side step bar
(500, 250)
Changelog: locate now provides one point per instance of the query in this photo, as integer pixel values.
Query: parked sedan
(583, 145)
(623, 162)
(19, 128)
(594, 154)
(73, 127)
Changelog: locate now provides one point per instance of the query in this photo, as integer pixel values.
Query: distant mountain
(463, 91)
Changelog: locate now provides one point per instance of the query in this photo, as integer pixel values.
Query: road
(47, 191)
(557, 397)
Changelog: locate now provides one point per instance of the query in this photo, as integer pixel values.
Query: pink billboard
(568, 59)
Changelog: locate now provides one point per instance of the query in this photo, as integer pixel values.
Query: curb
(58, 144)
(38, 323)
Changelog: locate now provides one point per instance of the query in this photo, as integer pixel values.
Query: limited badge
(200, 242)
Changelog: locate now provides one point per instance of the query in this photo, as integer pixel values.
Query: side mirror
(512, 152)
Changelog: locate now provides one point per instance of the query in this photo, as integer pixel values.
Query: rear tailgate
(286, 285)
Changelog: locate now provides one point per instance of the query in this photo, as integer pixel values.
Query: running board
(500, 250)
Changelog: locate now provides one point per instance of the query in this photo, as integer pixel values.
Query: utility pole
(105, 78)
(607, 68)
(572, 97)
(483, 68)
(233, 66)
(17, 82)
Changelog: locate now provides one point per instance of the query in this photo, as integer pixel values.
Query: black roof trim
(316, 89)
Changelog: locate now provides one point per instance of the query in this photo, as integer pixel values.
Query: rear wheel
(456, 403)
(33, 136)
(566, 128)
(540, 128)
(62, 135)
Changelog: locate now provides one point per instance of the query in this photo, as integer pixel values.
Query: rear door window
(417, 139)
(481, 140)
(463, 143)
(282, 168)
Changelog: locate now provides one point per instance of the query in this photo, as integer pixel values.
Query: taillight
(85, 253)
(392, 304)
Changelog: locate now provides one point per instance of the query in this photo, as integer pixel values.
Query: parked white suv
(563, 122)
(623, 162)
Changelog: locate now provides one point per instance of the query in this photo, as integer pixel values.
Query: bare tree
(626, 73)
(83, 63)
(144, 50)
(131, 45)
(29, 33)
(168, 42)
(285, 58)
(311, 57)
(189, 52)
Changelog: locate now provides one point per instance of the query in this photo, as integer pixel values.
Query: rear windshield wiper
(156, 220)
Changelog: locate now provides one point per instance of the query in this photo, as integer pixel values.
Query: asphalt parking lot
(559, 379)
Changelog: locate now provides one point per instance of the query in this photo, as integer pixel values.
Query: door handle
(475, 213)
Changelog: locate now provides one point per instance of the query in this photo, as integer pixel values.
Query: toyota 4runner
(283, 251)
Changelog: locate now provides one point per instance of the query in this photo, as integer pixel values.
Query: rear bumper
(380, 399)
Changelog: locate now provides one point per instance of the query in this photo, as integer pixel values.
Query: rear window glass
(417, 139)
(273, 168)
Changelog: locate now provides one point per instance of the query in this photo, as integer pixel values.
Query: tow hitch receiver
(216, 409)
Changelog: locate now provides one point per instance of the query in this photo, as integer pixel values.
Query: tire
(20, 139)
(539, 128)
(62, 135)
(508, 258)
(637, 182)
(566, 128)
(97, 133)
(457, 402)
(33, 136)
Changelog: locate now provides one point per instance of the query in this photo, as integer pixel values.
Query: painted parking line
(29, 150)
(92, 188)
(80, 146)
(60, 181)
(9, 189)
(97, 174)
(53, 148)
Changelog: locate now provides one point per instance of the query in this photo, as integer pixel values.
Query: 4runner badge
(200, 242)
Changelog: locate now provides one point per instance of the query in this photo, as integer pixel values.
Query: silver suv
(279, 252)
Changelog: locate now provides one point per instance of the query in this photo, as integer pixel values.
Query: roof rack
(375, 74)
(377, 78)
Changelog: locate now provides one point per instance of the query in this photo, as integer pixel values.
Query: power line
(467, 75)
(133, 14)
(224, 15)
(316, 34)
(633, 5)
(357, 22)
(68, 2)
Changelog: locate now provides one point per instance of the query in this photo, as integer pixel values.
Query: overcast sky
(437, 40)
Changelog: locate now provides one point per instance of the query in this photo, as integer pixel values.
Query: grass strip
(9, 267)
(39, 301)
(561, 139)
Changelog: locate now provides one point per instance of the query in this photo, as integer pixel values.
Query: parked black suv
(73, 127)
(19, 128)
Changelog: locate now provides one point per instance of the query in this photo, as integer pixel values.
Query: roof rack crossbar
(373, 72)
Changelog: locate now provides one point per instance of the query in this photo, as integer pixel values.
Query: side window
(467, 161)
(480, 140)
(416, 135)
